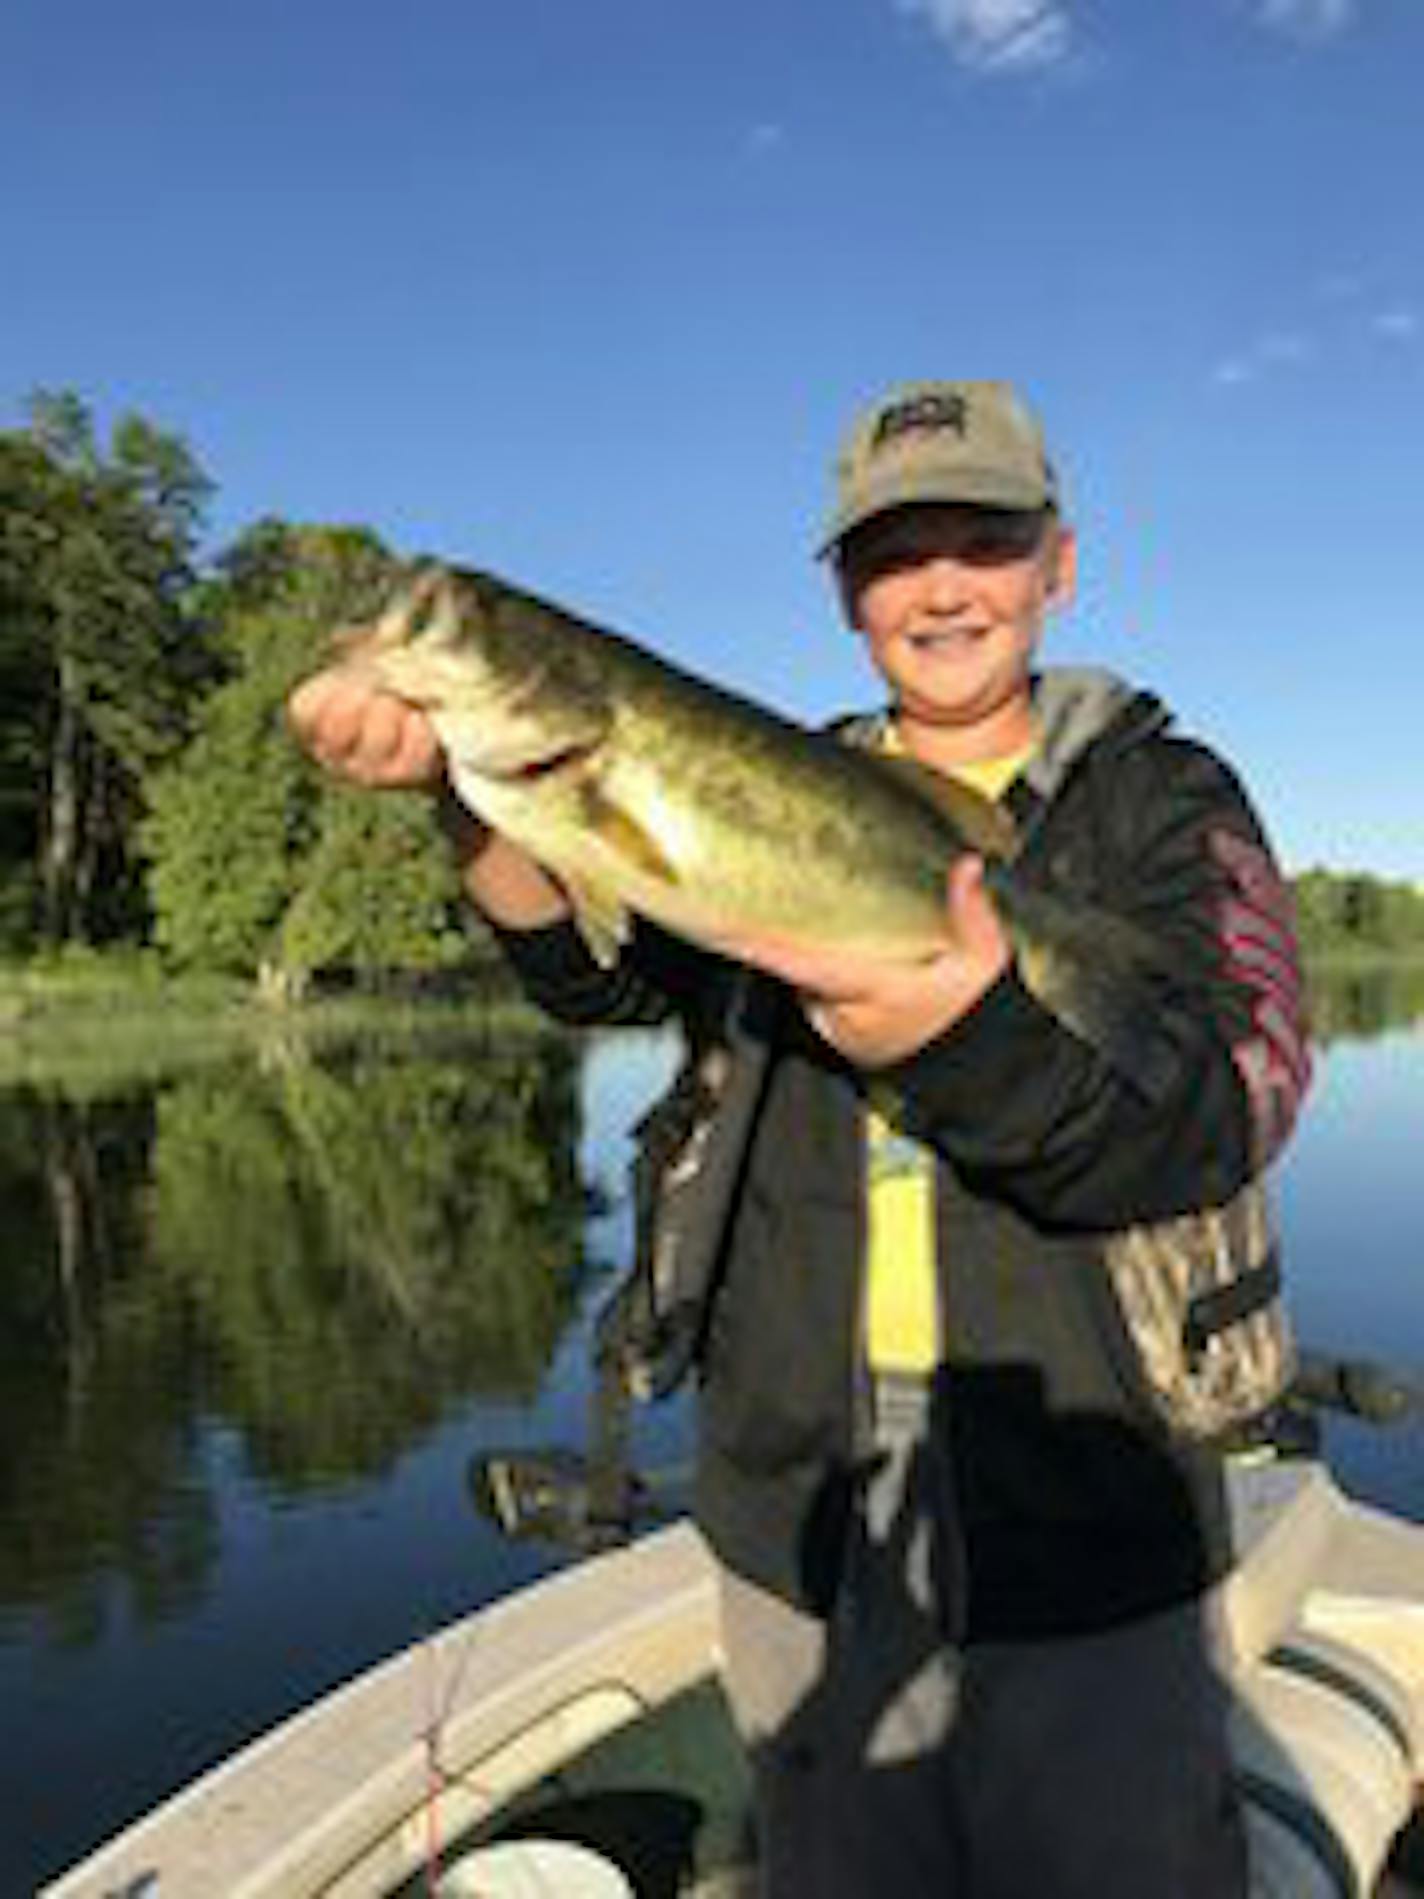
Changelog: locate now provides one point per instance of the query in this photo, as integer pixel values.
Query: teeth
(947, 636)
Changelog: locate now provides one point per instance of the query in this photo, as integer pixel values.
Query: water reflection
(1364, 1001)
(257, 1315)
(322, 1253)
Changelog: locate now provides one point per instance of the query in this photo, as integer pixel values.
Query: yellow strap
(993, 776)
(901, 1316)
(903, 1323)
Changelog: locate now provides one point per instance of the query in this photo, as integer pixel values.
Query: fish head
(488, 667)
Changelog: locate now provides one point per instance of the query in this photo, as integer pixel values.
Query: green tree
(24, 473)
(1351, 912)
(97, 555)
(259, 864)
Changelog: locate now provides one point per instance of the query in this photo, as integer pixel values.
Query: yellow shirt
(904, 1328)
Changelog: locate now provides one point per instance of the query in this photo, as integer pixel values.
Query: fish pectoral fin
(601, 917)
(624, 835)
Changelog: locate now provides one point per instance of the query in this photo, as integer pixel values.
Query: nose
(943, 579)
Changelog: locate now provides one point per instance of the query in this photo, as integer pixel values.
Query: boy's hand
(876, 1012)
(365, 735)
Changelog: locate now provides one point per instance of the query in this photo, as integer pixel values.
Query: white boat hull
(1321, 1632)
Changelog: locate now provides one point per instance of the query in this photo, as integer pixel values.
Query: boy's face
(951, 602)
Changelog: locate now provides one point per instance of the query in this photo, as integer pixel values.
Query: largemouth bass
(643, 788)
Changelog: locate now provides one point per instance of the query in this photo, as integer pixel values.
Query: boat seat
(1325, 1747)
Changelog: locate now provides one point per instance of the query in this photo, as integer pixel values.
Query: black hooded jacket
(1078, 1502)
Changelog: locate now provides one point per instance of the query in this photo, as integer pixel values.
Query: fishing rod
(579, 1501)
(584, 1502)
(552, 1494)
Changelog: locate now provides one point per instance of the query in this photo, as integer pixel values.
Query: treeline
(1349, 913)
(149, 793)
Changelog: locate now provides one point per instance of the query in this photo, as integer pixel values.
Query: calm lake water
(256, 1317)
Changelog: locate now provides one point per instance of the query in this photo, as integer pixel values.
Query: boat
(574, 1738)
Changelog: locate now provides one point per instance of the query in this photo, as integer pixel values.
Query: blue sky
(583, 291)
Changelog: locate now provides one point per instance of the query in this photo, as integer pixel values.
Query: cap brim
(970, 487)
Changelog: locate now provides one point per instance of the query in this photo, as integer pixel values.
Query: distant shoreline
(1346, 957)
(87, 1027)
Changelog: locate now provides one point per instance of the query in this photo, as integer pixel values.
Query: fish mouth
(565, 761)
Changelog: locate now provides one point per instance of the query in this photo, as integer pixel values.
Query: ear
(1061, 576)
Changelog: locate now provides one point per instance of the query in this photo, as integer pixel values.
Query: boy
(984, 1305)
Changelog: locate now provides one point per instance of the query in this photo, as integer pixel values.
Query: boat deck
(667, 1800)
(668, 1803)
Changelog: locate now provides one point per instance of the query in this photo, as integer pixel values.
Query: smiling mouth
(947, 636)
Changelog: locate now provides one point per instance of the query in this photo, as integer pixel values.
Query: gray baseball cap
(971, 442)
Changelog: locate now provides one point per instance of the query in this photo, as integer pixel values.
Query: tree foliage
(149, 789)
(100, 659)
(258, 863)
(1353, 913)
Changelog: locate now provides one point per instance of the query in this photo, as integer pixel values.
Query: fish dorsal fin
(985, 827)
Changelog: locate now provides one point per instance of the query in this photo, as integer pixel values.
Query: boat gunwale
(346, 1776)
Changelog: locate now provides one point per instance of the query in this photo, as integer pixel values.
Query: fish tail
(1100, 975)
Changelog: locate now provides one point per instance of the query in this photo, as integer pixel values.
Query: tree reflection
(322, 1254)
(97, 1381)
(1361, 1002)
(364, 1240)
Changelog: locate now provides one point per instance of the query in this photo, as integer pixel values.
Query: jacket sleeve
(658, 978)
(1029, 1113)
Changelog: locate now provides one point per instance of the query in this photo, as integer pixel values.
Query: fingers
(977, 928)
(369, 737)
(966, 880)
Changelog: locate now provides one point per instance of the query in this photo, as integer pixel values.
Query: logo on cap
(930, 411)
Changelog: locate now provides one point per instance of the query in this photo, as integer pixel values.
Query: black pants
(891, 1763)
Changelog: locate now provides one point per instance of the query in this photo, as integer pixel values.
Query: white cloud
(764, 138)
(1397, 325)
(1285, 346)
(1231, 373)
(1275, 351)
(1342, 286)
(1309, 19)
(1282, 352)
(1004, 36)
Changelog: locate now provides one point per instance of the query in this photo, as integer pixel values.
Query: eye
(996, 538)
(889, 551)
